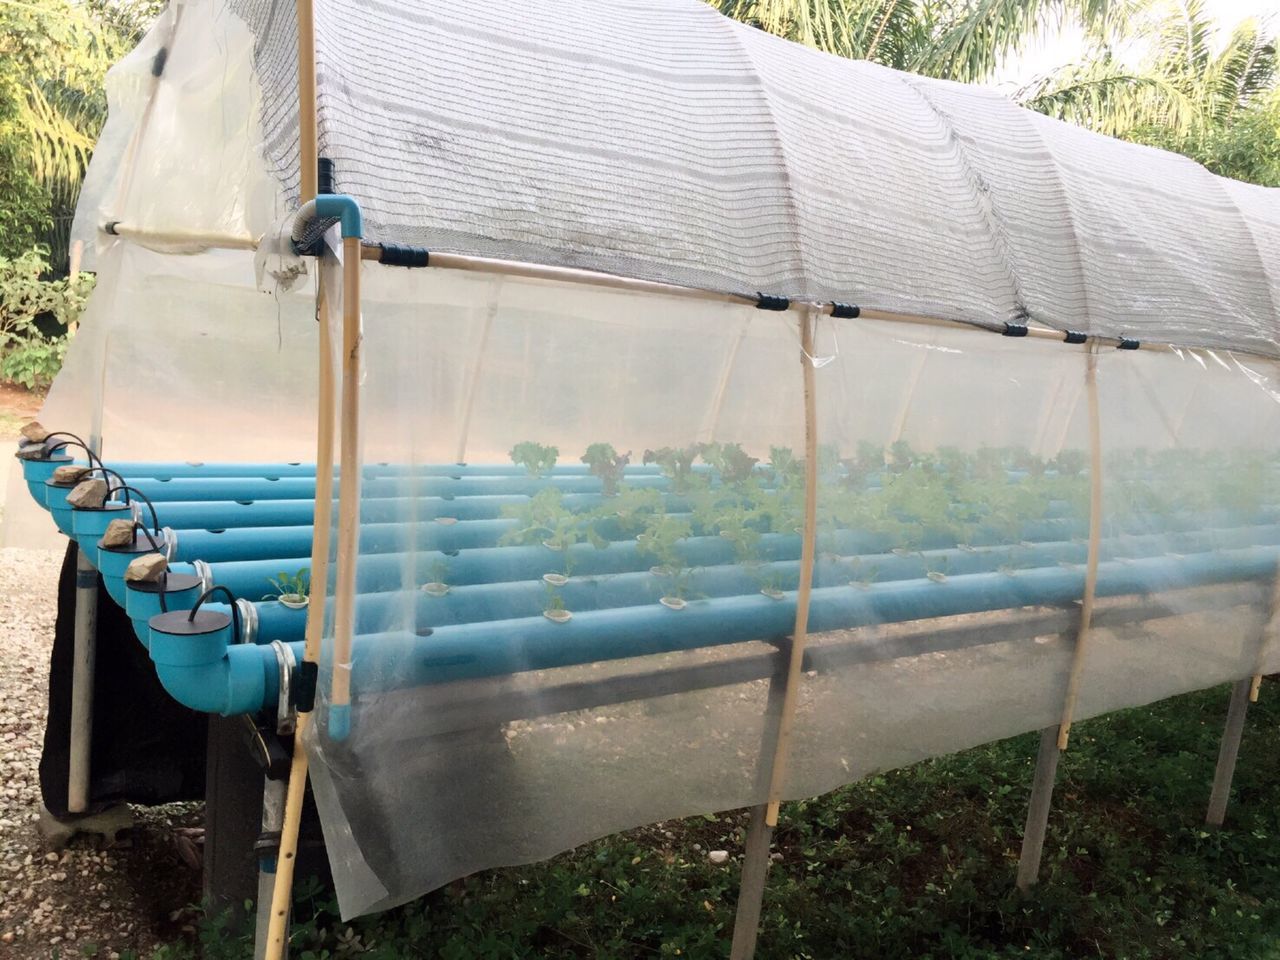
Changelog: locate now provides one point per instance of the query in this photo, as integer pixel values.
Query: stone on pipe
(71, 473)
(119, 533)
(34, 432)
(147, 568)
(89, 494)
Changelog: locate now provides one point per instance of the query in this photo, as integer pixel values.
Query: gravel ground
(94, 898)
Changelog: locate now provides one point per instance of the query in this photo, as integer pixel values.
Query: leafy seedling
(438, 585)
(730, 461)
(554, 608)
(535, 457)
(291, 590)
(606, 463)
(676, 464)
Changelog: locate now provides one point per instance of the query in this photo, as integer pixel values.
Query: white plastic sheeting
(953, 474)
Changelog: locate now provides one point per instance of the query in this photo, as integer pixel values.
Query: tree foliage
(1216, 106)
(54, 56)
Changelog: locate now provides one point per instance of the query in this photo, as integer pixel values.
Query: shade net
(659, 139)
(548, 650)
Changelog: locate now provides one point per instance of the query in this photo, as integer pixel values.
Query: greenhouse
(629, 415)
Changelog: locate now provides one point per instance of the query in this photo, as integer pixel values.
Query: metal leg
(1227, 753)
(83, 659)
(273, 794)
(1038, 809)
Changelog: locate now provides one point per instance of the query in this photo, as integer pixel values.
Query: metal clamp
(248, 621)
(205, 572)
(170, 542)
(286, 716)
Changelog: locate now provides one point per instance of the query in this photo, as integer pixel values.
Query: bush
(27, 356)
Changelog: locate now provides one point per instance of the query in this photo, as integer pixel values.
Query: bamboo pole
(349, 477)
(807, 553)
(1095, 536)
(282, 893)
(781, 705)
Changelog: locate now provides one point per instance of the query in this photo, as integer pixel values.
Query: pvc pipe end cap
(340, 721)
(172, 583)
(179, 623)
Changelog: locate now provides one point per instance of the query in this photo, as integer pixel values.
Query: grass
(916, 863)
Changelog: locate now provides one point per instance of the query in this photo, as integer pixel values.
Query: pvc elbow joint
(200, 667)
(327, 206)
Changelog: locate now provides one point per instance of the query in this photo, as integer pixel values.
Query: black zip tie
(157, 64)
(1015, 330)
(109, 228)
(845, 311)
(304, 686)
(1075, 337)
(1127, 344)
(765, 301)
(399, 255)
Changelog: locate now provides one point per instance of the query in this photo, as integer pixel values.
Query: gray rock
(34, 432)
(147, 568)
(88, 494)
(119, 533)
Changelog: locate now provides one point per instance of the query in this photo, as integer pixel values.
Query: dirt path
(17, 406)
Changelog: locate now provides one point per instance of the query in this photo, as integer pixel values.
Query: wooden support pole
(764, 817)
(348, 477)
(277, 937)
(1228, 751)
(1095, 537)
(1038, 809)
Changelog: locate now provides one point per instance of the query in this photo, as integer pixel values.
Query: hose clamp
(248, 621)
(286, 715)
(205, 573)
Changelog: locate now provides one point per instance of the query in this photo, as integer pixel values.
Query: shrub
(27, 355)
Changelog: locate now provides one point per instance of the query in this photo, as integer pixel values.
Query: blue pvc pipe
(170, 470)
(304, 488)
(229, 514)
(472, 650)
(211, 674)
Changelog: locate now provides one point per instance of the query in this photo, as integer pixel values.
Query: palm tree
(1182, 95)
(962, 40)
(53, 59)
